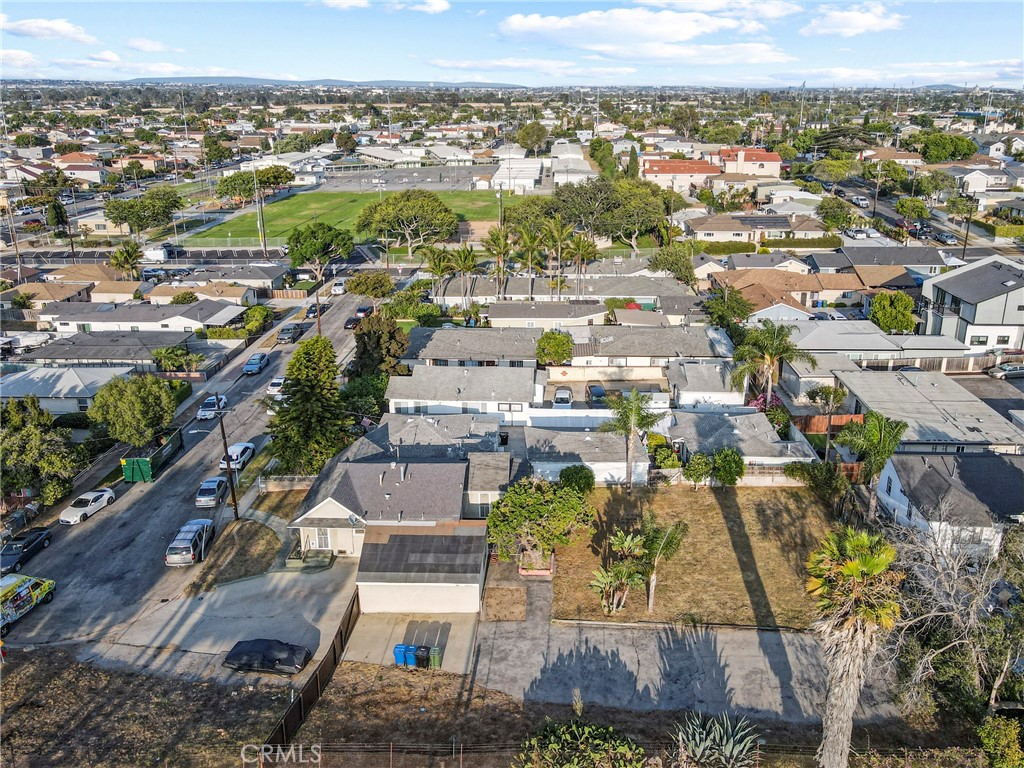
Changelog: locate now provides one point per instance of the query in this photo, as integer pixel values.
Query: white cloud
(11, 58)
(146, 45)
(105, 56)
(427, 6)
(552, 68)
(619, 26)
(869, 17)
(995, 71)
(767, 9)
(347, 5)
(61, 29)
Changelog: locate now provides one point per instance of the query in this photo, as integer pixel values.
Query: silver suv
(1007, 371)
(190, 544)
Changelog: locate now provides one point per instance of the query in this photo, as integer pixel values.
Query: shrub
(828, 241)
(226, 333)
(727, 249)
(582, 744)
(579, 477)
(698, 469)
(780, 420)
(666, 458)
(1000, 741)
(953, 757)
(180, 389)
(74, 420)
(728, 466)
(655, 441)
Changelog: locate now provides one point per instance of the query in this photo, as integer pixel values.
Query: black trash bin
(423, 657)
(503, 438)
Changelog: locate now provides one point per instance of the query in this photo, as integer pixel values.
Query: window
(1002, 339)
(100, 227)
(83, 404)
(515, 363)
(490, 363)
(165, 325)
(134, 328)
(441, 362)
(556, 324)
(888, 486)
(617, 361)
(323, 538)
(979, 341)
(960, 449)
(531, 324)
(64, 324)
(737, 234)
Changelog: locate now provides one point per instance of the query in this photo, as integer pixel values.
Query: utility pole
(261, 225)
(14, 238)
(878, 184)
(227, 457)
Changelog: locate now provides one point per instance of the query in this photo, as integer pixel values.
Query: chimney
(400, 513)
(381, 478)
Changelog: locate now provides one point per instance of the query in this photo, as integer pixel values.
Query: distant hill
(257, 81)
(941, 87)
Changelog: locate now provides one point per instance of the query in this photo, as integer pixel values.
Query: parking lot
(437, 179)
(1001, 395)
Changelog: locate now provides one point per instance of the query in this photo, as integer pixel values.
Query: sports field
(339, 209)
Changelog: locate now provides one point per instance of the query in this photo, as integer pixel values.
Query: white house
(550, 451)
(60, 390)
(68, 318)
(507, 392)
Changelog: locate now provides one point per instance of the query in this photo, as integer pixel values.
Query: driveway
(1001, 395)
(768, 675)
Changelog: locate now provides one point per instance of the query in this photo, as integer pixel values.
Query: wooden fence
(274, 483)
(816, 424)
(295, 293)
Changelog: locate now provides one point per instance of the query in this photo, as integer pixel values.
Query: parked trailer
(142, 464)
(19, 594)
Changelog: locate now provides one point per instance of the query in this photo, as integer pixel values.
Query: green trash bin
(435, 658)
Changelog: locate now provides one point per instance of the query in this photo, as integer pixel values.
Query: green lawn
(339, 209)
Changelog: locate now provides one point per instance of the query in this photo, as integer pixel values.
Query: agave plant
(713, 742)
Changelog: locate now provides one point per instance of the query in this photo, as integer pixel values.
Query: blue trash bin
(399, 655)
(410, 656)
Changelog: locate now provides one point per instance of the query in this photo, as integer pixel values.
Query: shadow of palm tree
(602, 677)
(693, 672)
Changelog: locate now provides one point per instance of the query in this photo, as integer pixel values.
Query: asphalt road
(109, 570)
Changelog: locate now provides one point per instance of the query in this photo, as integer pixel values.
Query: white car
(241, 454)
(210, 406)
(86, 506)
(275, 403)
(338, 289)
(275, 386)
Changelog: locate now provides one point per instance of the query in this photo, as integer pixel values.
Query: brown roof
(789, 281)
(728, 154)
(874, 276)
(83, 273)
(117, 286)
(681, 167)
(43, 292)
(762, 297)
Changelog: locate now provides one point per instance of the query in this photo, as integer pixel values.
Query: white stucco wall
(418, 598)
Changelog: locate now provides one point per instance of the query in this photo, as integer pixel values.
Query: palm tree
(169, 358)
(498, 247)
(660, 545)
(858, 603)
(763, 350)
(439, 265)
(875, 441)
(126, 259)
(556, 236)
(829, 400)
(192, 361)
(632, 416)
(581, 250)
(464, 263)
(530, 248)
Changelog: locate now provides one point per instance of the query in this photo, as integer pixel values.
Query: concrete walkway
(768, 675)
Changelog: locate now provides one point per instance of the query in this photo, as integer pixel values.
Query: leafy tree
(911, 208)
(364, 395)
(375, 284)
(412, 218)
(727, 306)
(529, 212)
(126, 259)
(256, 318)
(677, 258)
(787, 152)
(857, 604)
(26, 140)
(345, 141)
(380, 343)
(633, 166)
(828, 400)
(698, 468)
(532, 136)
(23, 301)
(536, 516)
(554, 348)
(579, 744)
(213, 150)
(1000, 741)
(893, 312)
(943, 147)
(577, 476)
(240, 185)
(67, 147)
(684, 120)
(313, 247)
(57, 216)
(583, 204)
(309, 427)
(825, 480)
(763, 350)
(875, 441)
(34, 454)
(154, 209)
(632, 416)
(835, 213)
(135, 409)
(185, 297)
(835, 170)
(727, 466)
(636, 209)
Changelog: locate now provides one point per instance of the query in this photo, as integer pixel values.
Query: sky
(741, 43)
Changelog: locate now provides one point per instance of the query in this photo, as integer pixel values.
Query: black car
(311, 310)
(265, 655)
(840, 192)
(20, 549)
(362, 312)
(351, 323)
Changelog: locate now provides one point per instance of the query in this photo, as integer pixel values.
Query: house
(680, 175)
(807, 290)
(60, 390)
(863, 340)
(773, 260)
(118, 291)
(957, 501)
(242, 295)
(426, 438)
(702, 385)
(886, 154)
(729, 183)
(941, 416)
(981, 304)
(82, 273)
(503, 347)
(431, 389)
(976, 181)
(546, 315)
(263, 277)
(107, 348)
(798, 378)
(206, 313)
(704, 266)
(683, 310)
(90, 173)
(775, 304)
(98, 223)
(620, 347)
(549, 451)
(753, 228)
(642, 318)
(764, 453)
(42, 294)
(639, 288)
(752, 162)
(922, 261)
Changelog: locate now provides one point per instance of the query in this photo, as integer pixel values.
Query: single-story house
(81, 273)
(549, 451)
(702, 384)
(107, 348)
(118, 291)
(546, 315)
(506, 347)
(430, 389)
(422, 438)
(242, 295)
(753, 228)
(97, 223)
(773, 304)
(203, 314)
(863, 340)
(264, 276)
(60, 390)
(808, 290)
(640, 318)
(626, 347)
(42, 294)
(798, 378)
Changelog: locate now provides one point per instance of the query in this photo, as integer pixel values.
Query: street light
(227, 456)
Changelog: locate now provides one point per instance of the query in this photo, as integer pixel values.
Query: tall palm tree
(464, 263)
(557, 235)
(126, 259)
(633, 415)
(875, 441)
(829, 400)
(763, 350)
(439, 265)
(858, 603)
(581, 250)
(499, 248)
(661, 543)
(530, 246)
(192, 361)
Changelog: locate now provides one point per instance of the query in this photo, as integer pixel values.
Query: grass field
(742, 561)
(338, 209)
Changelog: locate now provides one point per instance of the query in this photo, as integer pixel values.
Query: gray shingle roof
(557, 310)
(473, 343)
(202, 311)
(421, 437)
(577, 446)
(982, 282)
(60, 382)
(109, 346)
(750, 434)
(429, 382)
(489, 471)
(677, 341)
(866, 255)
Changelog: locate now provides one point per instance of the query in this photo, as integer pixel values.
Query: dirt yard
(741, 562)
(59, 712)
(245, 548)
(282, 504)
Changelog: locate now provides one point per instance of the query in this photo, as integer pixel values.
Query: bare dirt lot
(246, 548)
(741, 562)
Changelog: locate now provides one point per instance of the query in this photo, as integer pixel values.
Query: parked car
(311, 310)
(563, 397)
(21, 548)
(946, 238)
(274, 403)
(32, 223)
(338, 288)
(596, 395)
(275, 386)
(212, 492)
(256, 363)
(288, 334)
(351, 323)
(1007, 371)
(241, 454)
(856, 234)
(191, 543)
(264, 655)
(839, 192)
(210, 407)
(860, 201)
(86, 505)
(362, 312)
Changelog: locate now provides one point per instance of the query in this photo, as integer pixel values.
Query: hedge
(226, 333)
(828, 241)
(73, 420)
(725, 248)
(1001, 230)
(181, 390)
